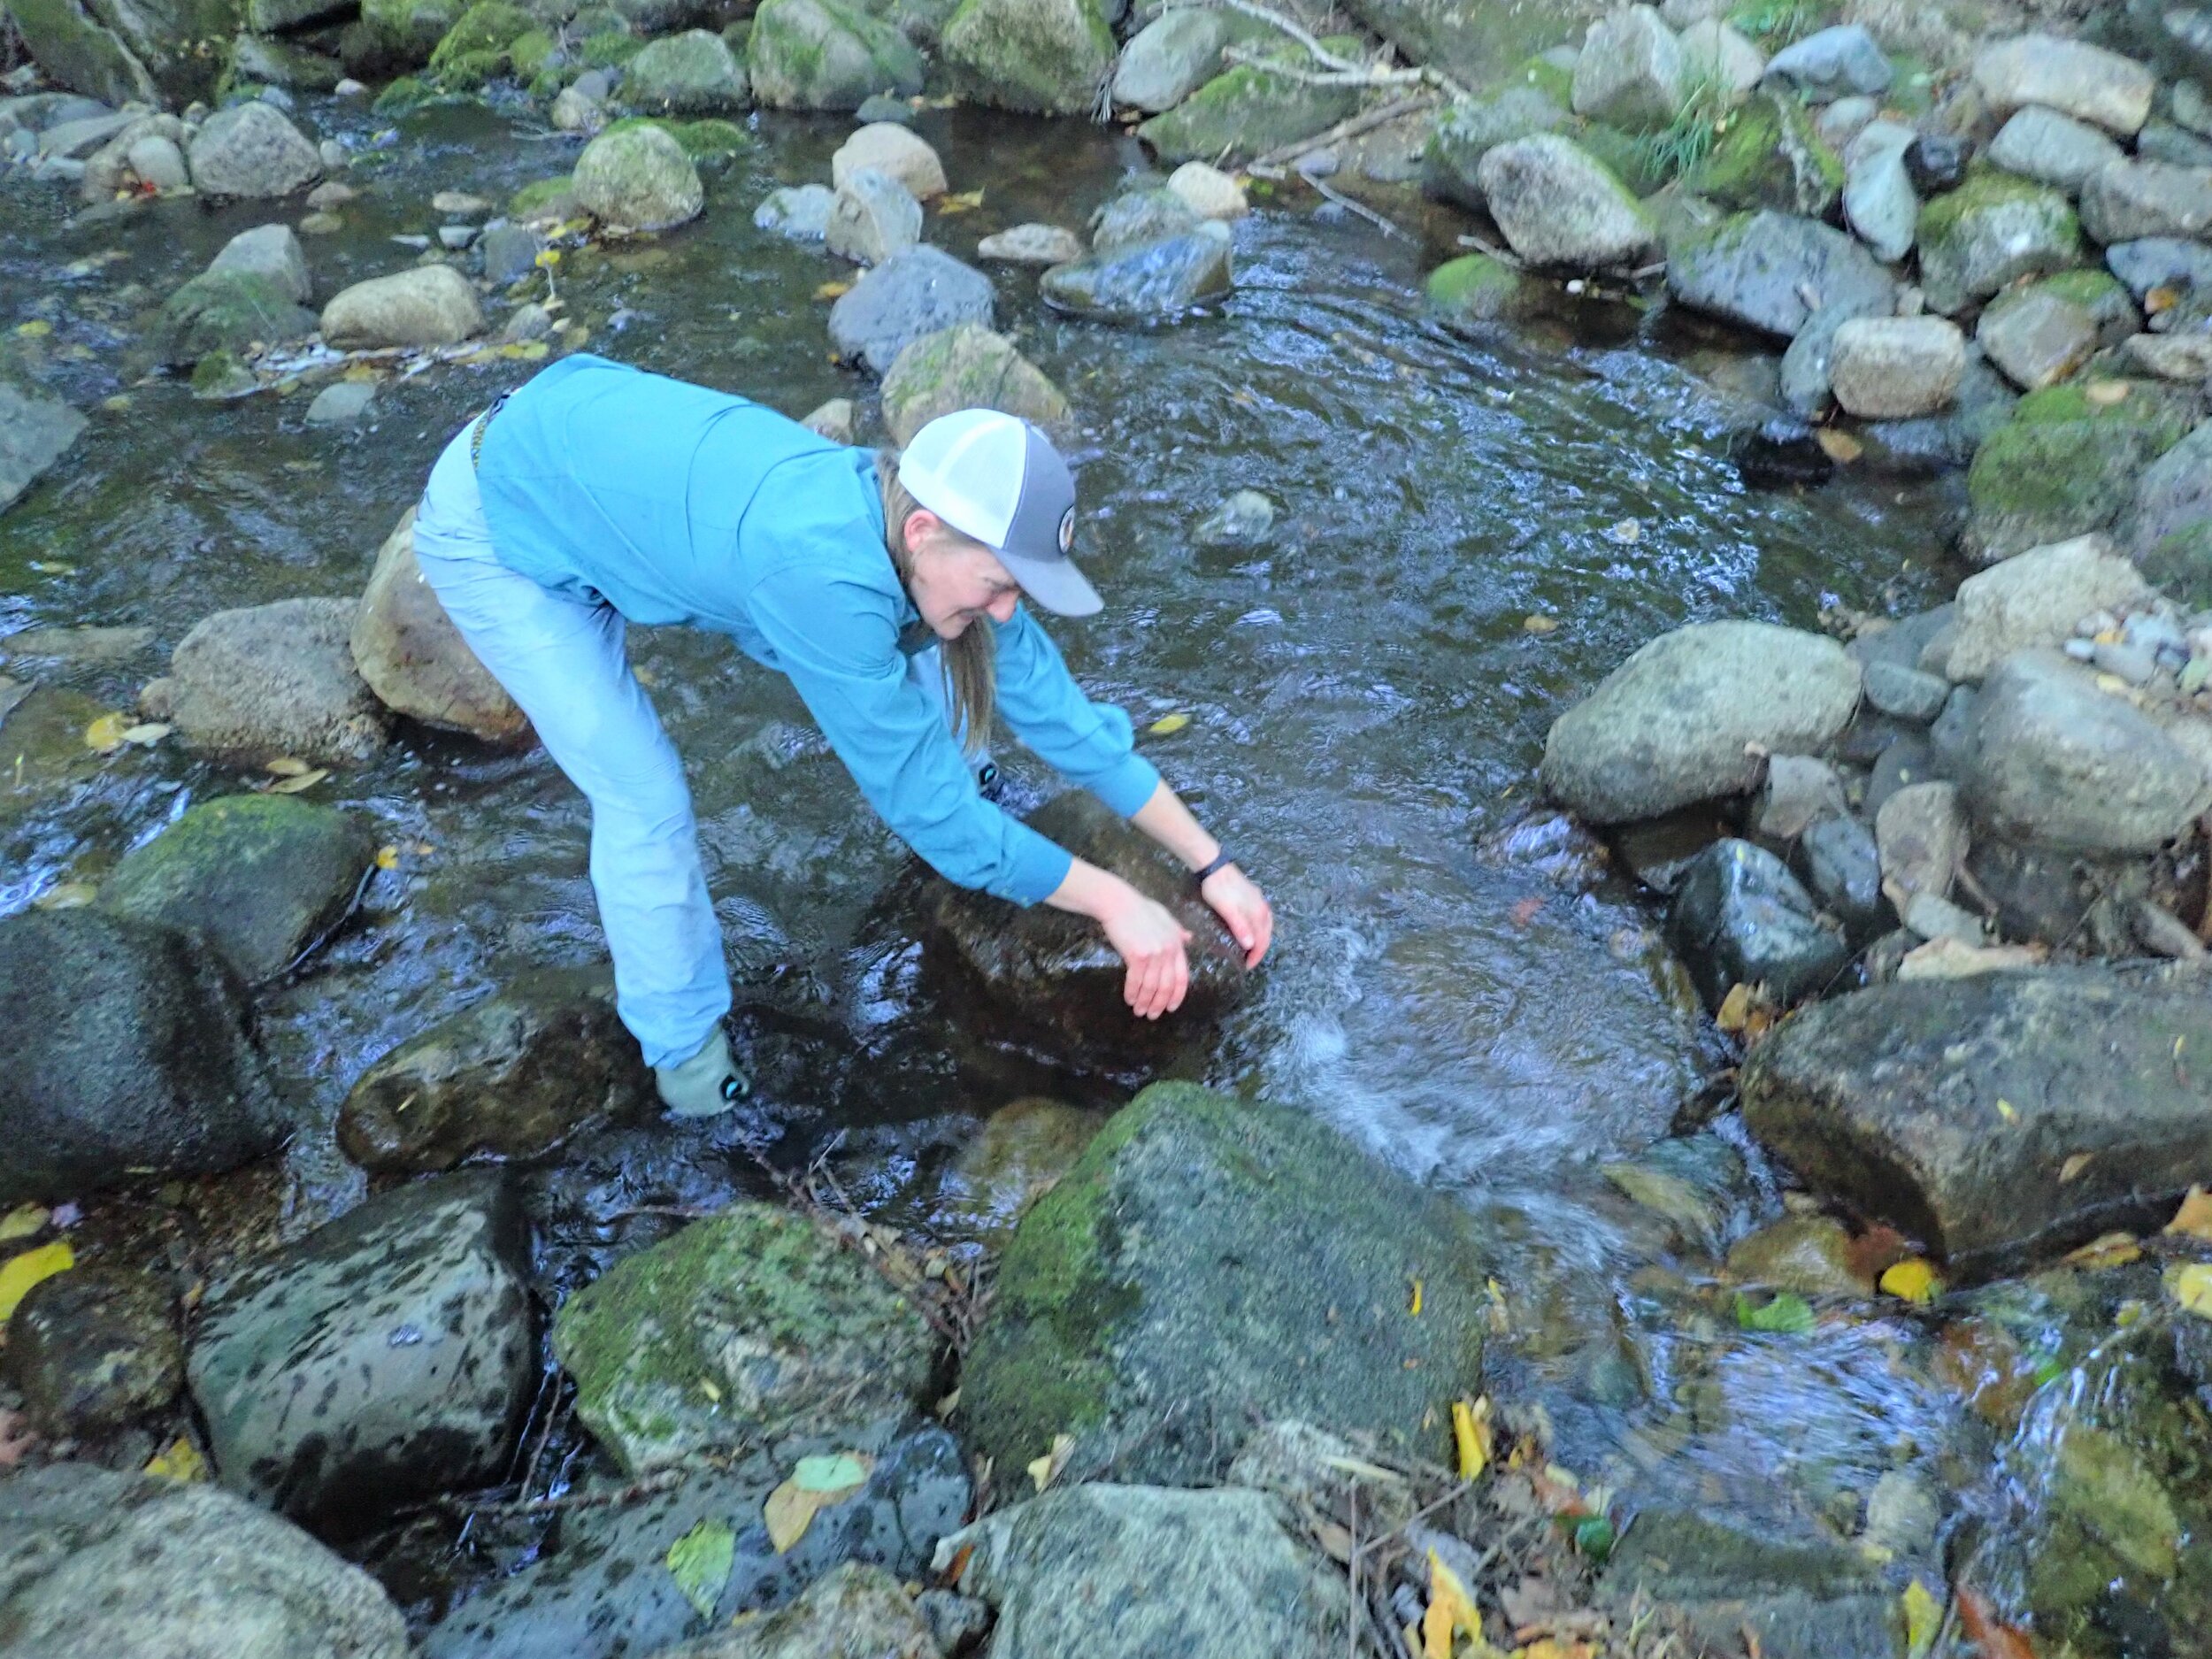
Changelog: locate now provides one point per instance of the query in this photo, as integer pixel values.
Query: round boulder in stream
(125, 1053)
(92, 1350)
(415, 660)
(1997, 1118)
(1740, 917)
(636, 177)
(384, 1357)
(95, 1565)
(966, 367)
(261, 878)
(914, 292)
(1151, 281)
(1057, 970)
(265, 681)
(430, 305)
(1209, 1264)
(820, 55)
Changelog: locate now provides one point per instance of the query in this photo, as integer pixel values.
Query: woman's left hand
(1243, 909)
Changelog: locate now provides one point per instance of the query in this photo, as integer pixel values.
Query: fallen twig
(1387, 226)
(1283, 155)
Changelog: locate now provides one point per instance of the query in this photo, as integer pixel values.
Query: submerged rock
(430, 305)
(1809, 1255)
(800, 212)
(821, 55)
(384, 1357)
(638, 178)
(125, 1055)
(1151, 281)
(754, 1324)
(1147, 1302)
(1031, 244)
(1475, 290)
(1889, 1099)
(1560, 206)
(1023, 1149)
(917, 291)
(37, 430)
(1190, 1574)
(1740, 917)
(95, 1565)
(250, 149)
(965, 367)
(512, 1075)
(1670, 727)
(1046, 56)
(268, 250)
(601, 1588)
(92, 1350)
(415, 660)
(261, 878)
(265, 682)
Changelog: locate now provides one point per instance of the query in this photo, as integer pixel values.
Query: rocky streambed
(1845, 1330)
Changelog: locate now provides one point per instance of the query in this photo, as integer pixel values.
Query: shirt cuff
(1039, 865)
(1127, 785)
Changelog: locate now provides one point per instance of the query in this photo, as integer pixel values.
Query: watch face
(1067, 530)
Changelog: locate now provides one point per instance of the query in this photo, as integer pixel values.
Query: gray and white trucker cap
(998, 480)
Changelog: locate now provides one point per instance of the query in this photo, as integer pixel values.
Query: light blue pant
(562, 660)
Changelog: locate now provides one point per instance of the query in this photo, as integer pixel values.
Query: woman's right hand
(1152, 943)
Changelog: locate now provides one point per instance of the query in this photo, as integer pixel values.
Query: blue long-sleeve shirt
(679, 504)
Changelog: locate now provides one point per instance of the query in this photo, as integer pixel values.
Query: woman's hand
(1152, 943)
(1243, 910)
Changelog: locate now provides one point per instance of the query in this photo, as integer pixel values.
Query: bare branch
(1381, 116)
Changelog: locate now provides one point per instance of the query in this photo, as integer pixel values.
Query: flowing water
(1366, 710)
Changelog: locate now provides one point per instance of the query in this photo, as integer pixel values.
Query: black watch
(1222, 861)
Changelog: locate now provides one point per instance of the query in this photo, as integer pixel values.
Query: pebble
(349, 88)
(341, 402)
(1319, 164)
(1031, 244)
(333, 153)
(409, 240)
(1243, 520)
(2082, 650)
(459, 204)
(531, 321)
(1208, 191)
(321, 225)
(1906, 693)
(456, 237)
(2137, 667)
(323, 197)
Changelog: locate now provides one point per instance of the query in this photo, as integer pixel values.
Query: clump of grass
(1776, 22)
(1680, 147)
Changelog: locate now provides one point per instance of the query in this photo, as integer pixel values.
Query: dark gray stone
(1741, 917)
(125, 1051)
(1834, 63)
(93, 1350)
(1774, 270)
(1150, 282)
(386, 1357)
(917, 291)
(1802, 1597)
(1936, 162)
(510, 253)
(1906, 693)
(1841, 865)
(603, 1589)
(2160, 262)
(37, 430)
(1887, 1099)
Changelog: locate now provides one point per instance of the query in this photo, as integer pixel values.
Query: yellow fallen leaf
(1471, 1435)
(2070, 1170)
(833, 290)
(387, 858)
(1539, 624)
(34, 329)
(31, 1268)
(966, 202)
(361, 372)
(2192, 1220)
(1500, 1317)
(299, 781)
(1840, 447)
(66, 895)
(1044, 1471)
(104, 735)
(2158, 299)
(1414, 1306)
(1450, 1608)
(22, 1222)
(180, 1462)
(146, 734)
(1912, 1280)
(2006, 1110)
(284, 766)
(2114, 1249)
(1735, 1008)
(1924, 1619)
(792, 1507)
(2192, 1287)
(1168, 724)
(2112, 685)
(525, 350)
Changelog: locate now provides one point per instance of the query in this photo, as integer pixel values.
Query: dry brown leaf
(2070, 1170)
(304, 781)
(1996, 1641)
(2114, 1249)
(1335, 1542)
(2193, 1219)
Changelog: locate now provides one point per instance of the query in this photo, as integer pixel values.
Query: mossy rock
(409, 92)
(609, 49)
(1548, 77)
(414, 28)
(1993, 230)
(1211, 1263)
(227, 310)
(966, 366)
(701, 140)
(1471, 128)
(1771, 157)
(1639, 166)
(532, 54)
(487, 29)
(1475, 289)
(220, 375)
(2100, 294)
(821, 55)
(1249, 112)
(261, 877)
(2180, 564)
(1046, 56)
(2065, 465)
(751, 1325)
(546, 198)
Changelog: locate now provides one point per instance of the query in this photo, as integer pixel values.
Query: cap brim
(1056, 584)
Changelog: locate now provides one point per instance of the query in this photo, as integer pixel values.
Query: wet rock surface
(915, 291)
(1740, 917)
(385, 1357)
(92, 1350)
(269, 681)
(1144, 281)
(414, 659)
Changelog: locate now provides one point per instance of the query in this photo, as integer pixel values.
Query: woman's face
(956, 579)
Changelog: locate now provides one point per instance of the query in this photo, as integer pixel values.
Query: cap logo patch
(1067, 530)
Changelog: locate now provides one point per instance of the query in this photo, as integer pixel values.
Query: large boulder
(151, 51)
(2129, 200)
(1988, 234)
(1049, 57)
(266, 681)
(227, 310)
(917, 291)
(1057, 970)
(638, 178)
(1190, 1575)
(1740, 917)
(386, 1357)
(1774, 270)
(415, 660)
(1471, 128)
(261, 878)
(1146, 281)
(2034, 599)
(1147, 1301)
(871, 217)
(752, 1325)
(600, 1588)
(126, 1053)
(1171, 56)
(691, 74)
(1251, 110)
(1558, 205)
(430, 305)
(2066, 464)
(37, 430)
(1896, 368)
(1995, 1116)
(965, 367)
(1472, 40)
(269, 251)
(818, 54)
(851, 1612)
(1671, 725)
(1772, 155)
(1630, 72)
(2072, 76)
(897, 152)
(512, 1075)
(95, 1565)
(2054, 760)
(250, 149)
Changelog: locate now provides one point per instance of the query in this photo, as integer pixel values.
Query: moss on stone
(1771, 157)
(1249, 112)
(702, 141)
(544, 196)
(531, 52)
(408, 92)
(2180, 564)
(2065, 465)
(1984, 188)
(227, 310)
(1548, 78)
(610, 49)
(1047, 56)
(1474, 290)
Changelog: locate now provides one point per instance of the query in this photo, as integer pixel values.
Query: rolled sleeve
(839, 644)
(1091, 744)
